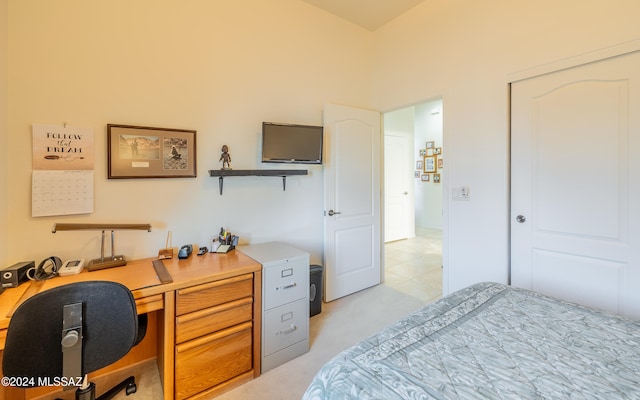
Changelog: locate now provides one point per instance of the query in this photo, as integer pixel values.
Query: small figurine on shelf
(225, 157)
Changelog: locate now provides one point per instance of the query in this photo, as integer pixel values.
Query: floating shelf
(222, 173)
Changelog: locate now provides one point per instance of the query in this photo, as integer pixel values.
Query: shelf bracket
(221, 183)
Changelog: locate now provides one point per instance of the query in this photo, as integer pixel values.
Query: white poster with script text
(57, 147)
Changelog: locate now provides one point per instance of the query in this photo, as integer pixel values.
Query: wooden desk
(203, 287)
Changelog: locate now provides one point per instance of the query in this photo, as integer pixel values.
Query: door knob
(332, 213)
(521, 218)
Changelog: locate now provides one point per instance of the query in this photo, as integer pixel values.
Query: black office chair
(69, 331)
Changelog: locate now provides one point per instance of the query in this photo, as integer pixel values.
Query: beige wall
(464, 51)
(4, 150)
(216, 68)
(212, 66)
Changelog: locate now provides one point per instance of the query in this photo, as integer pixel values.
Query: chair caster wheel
(131, 388)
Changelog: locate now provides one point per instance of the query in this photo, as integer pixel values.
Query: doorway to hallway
(414, 162)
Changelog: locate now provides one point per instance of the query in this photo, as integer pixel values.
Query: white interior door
(399, 214)
(352, 240)
(575, 186)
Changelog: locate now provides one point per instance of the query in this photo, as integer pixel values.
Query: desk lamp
(103, 262)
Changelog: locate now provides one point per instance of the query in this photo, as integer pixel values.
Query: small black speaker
(16, 274)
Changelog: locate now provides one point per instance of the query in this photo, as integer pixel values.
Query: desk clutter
(23, 271)
(14, 275)
(225, 242)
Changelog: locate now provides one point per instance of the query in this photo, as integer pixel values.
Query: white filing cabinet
(285, 301)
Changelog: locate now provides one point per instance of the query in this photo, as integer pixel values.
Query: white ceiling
(370, 14)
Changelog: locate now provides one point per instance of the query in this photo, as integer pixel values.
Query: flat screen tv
(289, 143)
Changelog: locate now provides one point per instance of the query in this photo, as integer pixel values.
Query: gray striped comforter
(490, 341)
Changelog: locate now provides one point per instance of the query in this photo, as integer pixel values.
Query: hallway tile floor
(414, 266)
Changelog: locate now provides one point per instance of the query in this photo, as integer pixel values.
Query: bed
(490, 341)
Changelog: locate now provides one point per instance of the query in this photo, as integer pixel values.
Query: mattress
(490, 341)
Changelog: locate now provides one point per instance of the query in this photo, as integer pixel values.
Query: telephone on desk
(185, 251)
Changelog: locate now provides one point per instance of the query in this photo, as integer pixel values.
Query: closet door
(575, 184)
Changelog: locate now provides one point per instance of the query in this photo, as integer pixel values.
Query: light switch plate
(460, 193)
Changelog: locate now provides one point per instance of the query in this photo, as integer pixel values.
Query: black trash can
(315, 290)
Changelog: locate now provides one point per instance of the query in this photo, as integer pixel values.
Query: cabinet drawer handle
(289, 286)
(291, 329)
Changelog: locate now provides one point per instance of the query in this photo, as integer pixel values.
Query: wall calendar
(61, 192)
(62, 180)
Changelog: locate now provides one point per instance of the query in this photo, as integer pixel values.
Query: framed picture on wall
(436, 178)
(144, 152)
(430, 144)
(439, 163)
(424, 178)
(429, 164)
(419, 164)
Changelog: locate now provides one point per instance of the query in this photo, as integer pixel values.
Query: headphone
(48, 268)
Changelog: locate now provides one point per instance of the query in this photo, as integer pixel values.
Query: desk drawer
(284, 326)
(149, 304)
(212, 294)
(209, 320)
(285, 282)
(210, 360)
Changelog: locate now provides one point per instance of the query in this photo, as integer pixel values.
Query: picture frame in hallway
(430, 164)
(436, 178)
(146, 152)
(419, 164)
(424, 178)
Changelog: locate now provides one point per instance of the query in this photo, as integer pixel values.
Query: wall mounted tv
(289, 143)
